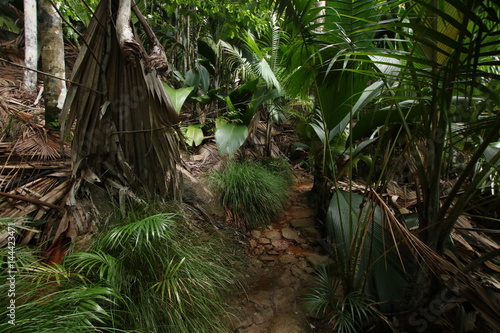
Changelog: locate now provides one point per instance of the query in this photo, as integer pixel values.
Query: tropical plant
(168, 276)
(350, 312)
(258, 66)
(39, 297)
(125, 125)
(430, 62)
(255, 193)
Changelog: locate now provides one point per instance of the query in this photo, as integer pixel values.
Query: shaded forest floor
(281, 262)
(281, 257)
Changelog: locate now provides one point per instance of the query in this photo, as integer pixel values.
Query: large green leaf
(363, 247)
(230, 137)
(177, 96)
(193, 135)
(198, 77)
(369, 121)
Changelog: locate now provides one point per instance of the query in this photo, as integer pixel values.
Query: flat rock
(260, 297)
(289, 280)
(289, 323)
(290, 233)
(316, 259)
(264, 240)
(256, 234)
(281, 244)
(285, 298)
(288, 259)
(300, 212)
(272, 234)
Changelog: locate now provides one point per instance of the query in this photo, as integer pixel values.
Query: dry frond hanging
(125, 123)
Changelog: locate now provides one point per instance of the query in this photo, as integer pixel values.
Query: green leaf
(177, 96)
(204, 77)
(369, 121)
(193, 135)
(230, 137)
(198, 77)
(8, 24)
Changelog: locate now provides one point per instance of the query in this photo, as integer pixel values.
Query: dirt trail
(282, 259)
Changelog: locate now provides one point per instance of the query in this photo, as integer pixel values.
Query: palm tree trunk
(125, 139)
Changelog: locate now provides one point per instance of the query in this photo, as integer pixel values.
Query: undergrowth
(254, 192)
(150, 271)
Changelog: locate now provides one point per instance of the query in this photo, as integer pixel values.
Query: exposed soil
(282, 258)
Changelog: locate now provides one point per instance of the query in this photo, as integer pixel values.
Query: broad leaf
(230, 137)
(193, 135)
(177, 96)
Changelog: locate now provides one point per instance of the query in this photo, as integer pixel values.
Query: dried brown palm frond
(28, 138)
(451, 276)
(125, 123)
(38, 143)
(33, 170)
(41, 195)
(16, 114)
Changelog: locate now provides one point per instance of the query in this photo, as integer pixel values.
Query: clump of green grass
(255, 192)
(38, 297)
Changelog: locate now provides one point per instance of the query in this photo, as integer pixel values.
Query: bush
(153, 272)
(169, 278)
(254, 192)
(349, 313)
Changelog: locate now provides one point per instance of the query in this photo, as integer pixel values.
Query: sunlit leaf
(177, 96)
(193, 135)
(230, 137)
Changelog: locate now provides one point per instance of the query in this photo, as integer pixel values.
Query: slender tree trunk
(30, 45)
(52, 43)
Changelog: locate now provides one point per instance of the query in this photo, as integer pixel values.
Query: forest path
(282, 260)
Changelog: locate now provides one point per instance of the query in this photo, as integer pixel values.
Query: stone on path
(285, 255)
(292, 234)
(288, 259)
(316, 259)
(272, 234)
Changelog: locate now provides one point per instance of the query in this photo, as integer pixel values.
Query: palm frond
(145, 233)
(126, 124)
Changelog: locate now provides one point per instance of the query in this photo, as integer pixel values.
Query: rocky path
(282, 260)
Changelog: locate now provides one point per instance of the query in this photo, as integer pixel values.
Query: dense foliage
(383, 92)
(152, 272)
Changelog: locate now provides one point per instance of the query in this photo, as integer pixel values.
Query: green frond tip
(142, 233)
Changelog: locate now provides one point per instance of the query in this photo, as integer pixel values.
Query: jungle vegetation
(385, 97)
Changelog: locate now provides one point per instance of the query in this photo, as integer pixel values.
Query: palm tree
(421, 57)
(125, 134)
(258, 66)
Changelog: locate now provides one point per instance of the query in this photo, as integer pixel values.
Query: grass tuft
(255, 192)
(151, 271)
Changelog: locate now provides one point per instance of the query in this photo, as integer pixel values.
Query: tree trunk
(51, 38)
(126, 137)
(30, 46)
